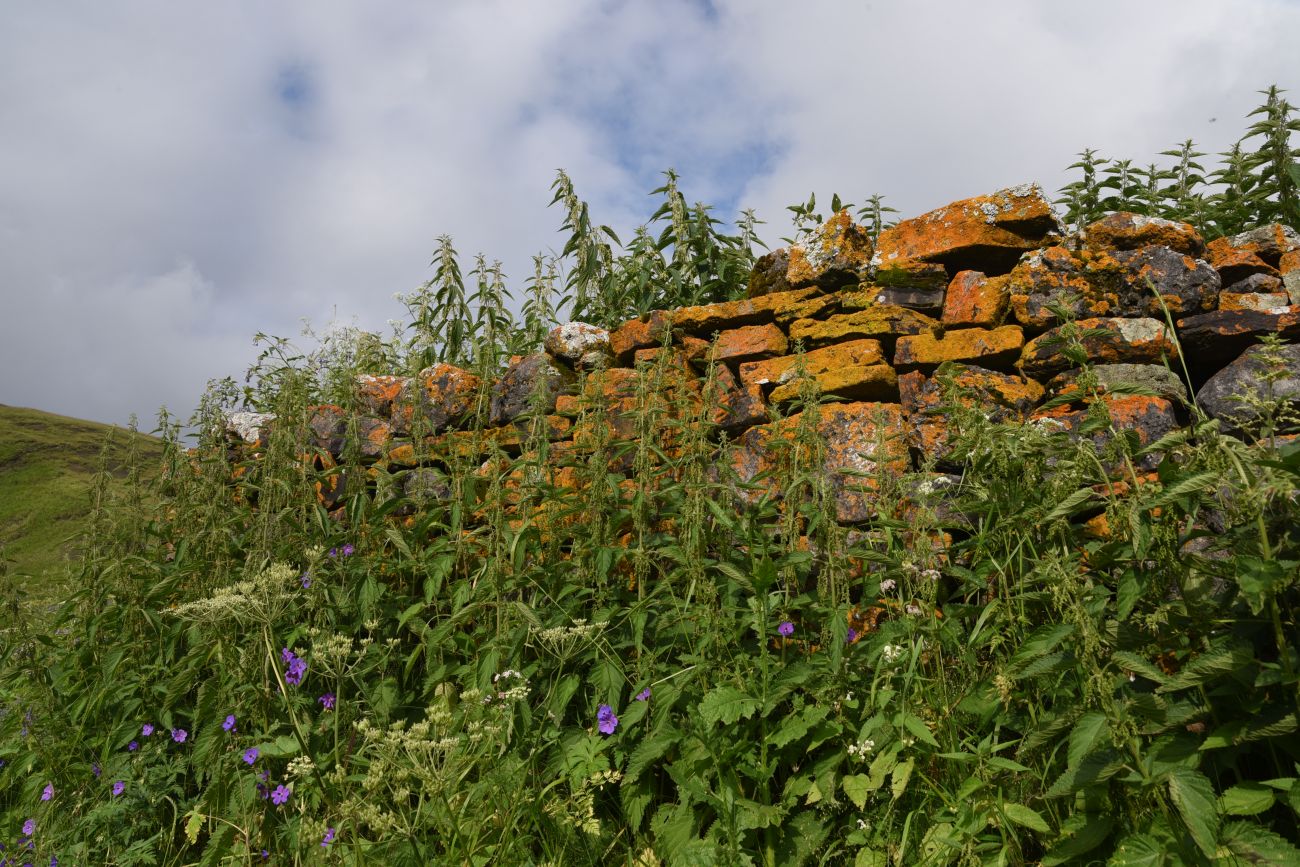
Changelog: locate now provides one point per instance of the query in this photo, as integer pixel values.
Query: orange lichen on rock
(750, 342)
(874, 322)
(983, 233)
(854, 381)
(1133, 341)
(777, 371)
(995, 346)
(973, 299)
(1127, 231)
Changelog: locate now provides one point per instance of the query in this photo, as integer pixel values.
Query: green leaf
(1026, 817)
(1246, 799)
(1085, 834)
(1139, 850)
(1095, 768)
(727, 704)
(917, 727)
(902, 774)
(218, 845)
(282, 747)
(857, 788)
(1071, 504)
(1193, 795)
(1084, 735)
(870, 858)
(1256, 845)
(193, 825)
(1224, 657)
(1258, 580)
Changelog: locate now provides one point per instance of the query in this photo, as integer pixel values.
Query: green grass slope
(47, 465)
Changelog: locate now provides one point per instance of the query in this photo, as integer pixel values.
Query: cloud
(175, 178)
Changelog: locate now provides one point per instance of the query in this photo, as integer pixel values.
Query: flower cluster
(605, 720)
(347, 551)
(862, 748)
(891, 653)
(295, 667)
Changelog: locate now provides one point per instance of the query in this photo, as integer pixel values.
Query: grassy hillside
(47, 465)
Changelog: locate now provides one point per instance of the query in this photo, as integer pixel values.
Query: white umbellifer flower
(891, 653)
(887, 585)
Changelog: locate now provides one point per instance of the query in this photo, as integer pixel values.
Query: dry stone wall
(984, 294)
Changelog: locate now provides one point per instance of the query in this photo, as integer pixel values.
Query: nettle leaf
(1080, 834)
(1257, 845)
(1246, 799)
(1258, 580)
(1193, 795)
(796, 725)
(857, 788)
(917, 727)
(1094, 768)
(1026, 817)
(726, 704)
(902, 774)
(1223, 657)
(1140, 850)
(1084, 735)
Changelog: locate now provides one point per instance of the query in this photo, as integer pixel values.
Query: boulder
(1150, 418)
(750, 342)
(974, 299)
(778, 371)
(871, 382)
(535, 374)
(1210, 340)
(637, 334)
(328, 427)
(1085, 282)
(1260, 302)
(376, 395)
(1255, 283)
(704, 320)
(1236, 263)
(1160, 381)
(1184, 284)
(999, 396)
(1126, 231)
(253, 428)
(579, 345)
(740, 403)
(882, 321)
(986, 346)
(1130, 341)
(838, 253)
(373, 436)
(442, 394)
(427, 486)
(985, 233)
(1260, 376)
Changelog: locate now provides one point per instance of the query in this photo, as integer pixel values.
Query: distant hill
(47, 464)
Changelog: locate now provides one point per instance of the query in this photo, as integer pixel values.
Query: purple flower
(96, 769)
(786, 628)
(251, 754)
(146, 729)
(280, 795)
(286, 655)
(297, 668)
(229, 724)
(179, 735)
(851, 636)
(265, 854)
(118, 788)
(306, 580)
(262, 791)
(54, 861)
(605, 719)
(643, 695)
(48, 793)
(327, 700)
(328, 838)
(133, 746)
(334, 552)
(348, 550)
(29, 827)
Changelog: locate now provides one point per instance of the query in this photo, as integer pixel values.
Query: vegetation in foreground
(634, 670)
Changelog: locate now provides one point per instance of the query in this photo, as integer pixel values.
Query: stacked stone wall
(989, 294)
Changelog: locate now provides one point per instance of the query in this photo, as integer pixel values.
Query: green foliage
(1257, 180)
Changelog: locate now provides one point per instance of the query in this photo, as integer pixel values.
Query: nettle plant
(630, 655)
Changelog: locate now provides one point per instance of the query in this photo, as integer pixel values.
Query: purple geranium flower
(306, 580)
(334, 552)
(280, 795)
(851, 636)
(146, 730)
(29, 827)
(328, 838)
(229, 724)
(133, 746)
(605, 719)
(297, 668)
(96, 769)
(643, 695)
(327, 700)
(251, 754)
(786, 628)
(118, 788)
(48, 793)
(348, 550)
(179, 735)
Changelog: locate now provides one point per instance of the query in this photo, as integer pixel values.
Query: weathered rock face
(1128, 341)
(985, 233)
(328, 426)
(579, 345)
(1126, 231)
(974, 299)
(991, 346)
(1149, 417)
(443, 395)
(1154, 378)
(884, 321)
(1259, 379)
(999, 396)
(837, 254)
(1210, 340)
(253, 428)
(534, 374)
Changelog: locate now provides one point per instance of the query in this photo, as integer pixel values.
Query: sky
(176, 177)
